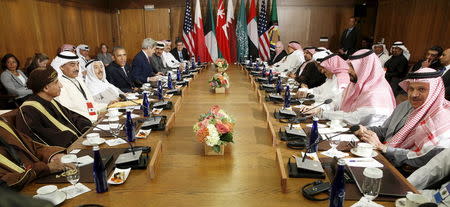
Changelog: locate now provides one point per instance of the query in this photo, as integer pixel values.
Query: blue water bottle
(145, 104)
(99, 171)
(314, 136)
(263, 72)
(193, 63)
(270, 76)
(169, 81)
(160, 91)
(287, 98)
(178, 75)
(199, 62)
(278, 86)
(129, 127)
(337, 191)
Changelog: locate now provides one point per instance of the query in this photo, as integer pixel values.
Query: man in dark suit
(118, 72)
(349, 39)
(431, 59)
(180, 53)
(142, 69)
(445, 60)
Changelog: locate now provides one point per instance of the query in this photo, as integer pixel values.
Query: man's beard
(353, 78)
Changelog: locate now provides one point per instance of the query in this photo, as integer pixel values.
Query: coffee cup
(414, 200)
(93, 137)
(113, 112)
(364, 149)
(336, 123)
(47, 192)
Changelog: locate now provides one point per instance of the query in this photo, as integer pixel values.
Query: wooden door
(131, 30)
(157, 24)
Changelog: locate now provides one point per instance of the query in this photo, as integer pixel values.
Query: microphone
(318, 141)
(328, 101)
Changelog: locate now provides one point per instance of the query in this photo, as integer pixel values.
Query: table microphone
(328, 101)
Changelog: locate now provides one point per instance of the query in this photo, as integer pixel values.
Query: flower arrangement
(221, 64)
(219, 80)
(215, 128)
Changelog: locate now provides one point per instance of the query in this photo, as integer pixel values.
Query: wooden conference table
(247, 175)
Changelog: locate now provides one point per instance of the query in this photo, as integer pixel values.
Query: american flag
(263, 33)
(188, 29)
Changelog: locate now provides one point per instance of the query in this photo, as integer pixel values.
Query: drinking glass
(334, 143)
(71, 169)
(372, 182)
(114, 125)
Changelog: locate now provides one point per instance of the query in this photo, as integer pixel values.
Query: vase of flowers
(219, 82)
(214, 129)
(221, 64)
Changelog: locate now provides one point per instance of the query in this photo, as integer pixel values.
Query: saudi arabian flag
(274, 33)
(210, 33)
(241, 33)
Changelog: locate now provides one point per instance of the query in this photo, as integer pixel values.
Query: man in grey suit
(156, 59)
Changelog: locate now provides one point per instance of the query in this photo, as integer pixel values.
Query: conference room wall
(419, 24)
(31, 26)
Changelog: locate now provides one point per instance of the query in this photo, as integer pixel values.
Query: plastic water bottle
(287, 97)
(145, 104)
(169, 81)
(101, 184)
(129, 127)
(314, 135)
(337, 192)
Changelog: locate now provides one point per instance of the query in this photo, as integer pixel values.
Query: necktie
(123, 68)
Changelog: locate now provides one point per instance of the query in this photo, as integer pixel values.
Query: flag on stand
(241, 33)
(199, 36)
(221, 32)
(188, 29)
(210, 33)
(264, 43)
(252, 30)
(231, 27)
(274, 33)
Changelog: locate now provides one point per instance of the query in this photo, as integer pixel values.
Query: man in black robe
(308, 74)
(43, 118)
(445, 60)
(431, 59)
(397, 66)
(278, 54)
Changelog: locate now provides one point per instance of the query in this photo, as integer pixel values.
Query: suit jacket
(141, 68)
(33, 155)
(435, 65)
(13, 84)
(446, 79)
(274, 59)
(157, 64)
(349, 42)
(116, 76)
(185, 54)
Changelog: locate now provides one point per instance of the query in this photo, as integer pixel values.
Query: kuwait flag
(252, 30)
(222, 32)
(199, 35)
(210, 37)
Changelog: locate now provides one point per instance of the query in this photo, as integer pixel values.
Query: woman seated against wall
(39, 60)
(101, 89)
(13, 79)
(104, 55)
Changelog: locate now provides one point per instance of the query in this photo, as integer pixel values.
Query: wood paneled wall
(30, 26)
(419, 24)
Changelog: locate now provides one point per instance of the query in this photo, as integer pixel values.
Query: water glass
(71, 169)
(114, 126)
(372, 182)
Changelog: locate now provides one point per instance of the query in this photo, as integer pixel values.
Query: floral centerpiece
(219, 80)
(221, 64)
(215, 128)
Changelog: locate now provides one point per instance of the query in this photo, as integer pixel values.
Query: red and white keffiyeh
(339, 67)
(428, 126)
(371, 89)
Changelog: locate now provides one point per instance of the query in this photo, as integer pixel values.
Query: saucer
(56, 200)
(99, 142)
(115, 114)
(353, 151)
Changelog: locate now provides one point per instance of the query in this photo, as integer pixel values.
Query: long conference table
(251, 173)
